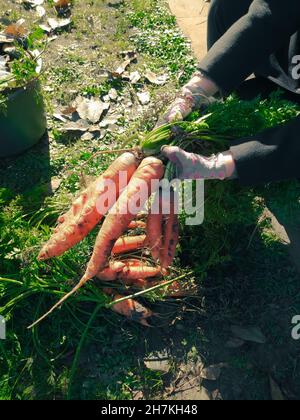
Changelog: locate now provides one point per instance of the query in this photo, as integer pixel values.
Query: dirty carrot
(154, 288)
(117, 221)
(170, 234)
(111, 272)
(137, 224)
(138, 283)
(154, 227)
(84, 214)
(132, 310)
(143, 272)
(129, 244)
(135, 262)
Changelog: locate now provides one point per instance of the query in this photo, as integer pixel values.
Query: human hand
(194, 95)
(191, 166)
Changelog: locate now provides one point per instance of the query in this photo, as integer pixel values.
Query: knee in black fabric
(215, 27)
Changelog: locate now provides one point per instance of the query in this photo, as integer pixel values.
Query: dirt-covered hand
(192, 97)
(191, 166)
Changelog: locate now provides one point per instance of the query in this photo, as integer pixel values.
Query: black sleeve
(241, 50)
(273, 155)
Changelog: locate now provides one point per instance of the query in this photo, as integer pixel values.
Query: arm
(273, 155)
(237, 54)
(193, 95)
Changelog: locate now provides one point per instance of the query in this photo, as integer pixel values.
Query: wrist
(201, 82)
(198, 91)
(228, 164)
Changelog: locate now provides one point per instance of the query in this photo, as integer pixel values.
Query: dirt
(192, 19)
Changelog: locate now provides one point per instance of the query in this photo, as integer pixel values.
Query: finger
(172, 153)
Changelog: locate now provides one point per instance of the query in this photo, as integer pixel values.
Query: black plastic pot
(23, 123)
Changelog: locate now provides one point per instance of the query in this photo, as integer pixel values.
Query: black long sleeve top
(263, 41)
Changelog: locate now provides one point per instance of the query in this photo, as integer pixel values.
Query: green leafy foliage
(23, 67)
(28, 287)
(158, 36)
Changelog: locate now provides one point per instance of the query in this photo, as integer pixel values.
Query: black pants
(260, 37)
(253, 36)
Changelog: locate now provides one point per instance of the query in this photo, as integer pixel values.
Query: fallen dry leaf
(138, 395)
(60, 117)
(113, 94)
(69, 110)
(55, 184)
(33, 3)
(39, 62)
(87, 136)
(144, 98)
(59, 23)
(16, 30)
(159, 365)
(6, 39)
(92, 109)
(40, 11)
(121, 69)
(252, 334)
(111, 120)
(46, 28)
(4, 71)
(79, 126)
(135, 77)
(62, 4)
(129, 57)
(156, 80)
(9, 49)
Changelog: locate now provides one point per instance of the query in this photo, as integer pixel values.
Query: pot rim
(12, 93)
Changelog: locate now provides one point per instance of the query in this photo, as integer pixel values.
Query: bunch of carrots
(162, 229)
(107, 262)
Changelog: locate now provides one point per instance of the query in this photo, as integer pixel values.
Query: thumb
(172, 153)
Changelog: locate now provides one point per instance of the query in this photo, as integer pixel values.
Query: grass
(157, 35)
(242, 270)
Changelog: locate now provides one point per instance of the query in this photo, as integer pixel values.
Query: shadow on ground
(258, 288)
(28, 175)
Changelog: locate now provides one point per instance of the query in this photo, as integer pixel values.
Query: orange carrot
(128, 244)
(143, 272)
(137, 224)
(133, 262)
(138, 283)
(117, 221)
(132, 310)
(177, 290)
(171, 235)
(111, 272)
(154, 228)
(84, 215)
